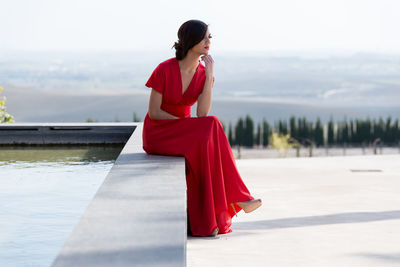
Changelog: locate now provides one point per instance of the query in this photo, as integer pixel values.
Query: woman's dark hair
(190, 34)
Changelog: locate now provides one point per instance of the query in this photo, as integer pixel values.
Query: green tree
(282, 127)
(265, 133)
(248, 139)
(340, 130)
(293, 127)
(303, 128)
(281, 142)
(330, 131)
(135, 117)
(230, 134)
(353, 132)
(396, 132)
(345, 131)
(363, 131)
(308, 129)
(388, 131)
(4, 116)
(379, 129)
(91, 120)
(239, 132)
(319, 133)
(258, 135)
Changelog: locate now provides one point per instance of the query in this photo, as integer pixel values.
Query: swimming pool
(44, 190)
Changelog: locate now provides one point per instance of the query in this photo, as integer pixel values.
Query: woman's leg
(212, 179)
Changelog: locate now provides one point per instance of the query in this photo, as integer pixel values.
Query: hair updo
(190, 34)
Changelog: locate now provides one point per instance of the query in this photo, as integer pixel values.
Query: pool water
(43, 193)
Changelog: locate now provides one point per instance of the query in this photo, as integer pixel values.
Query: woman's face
(203, 47)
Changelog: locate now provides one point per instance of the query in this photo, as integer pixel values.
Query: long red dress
(212, 178)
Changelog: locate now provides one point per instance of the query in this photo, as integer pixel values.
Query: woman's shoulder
(167, 63)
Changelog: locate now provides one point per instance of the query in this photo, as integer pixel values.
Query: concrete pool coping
(138, 215)
(65, 133)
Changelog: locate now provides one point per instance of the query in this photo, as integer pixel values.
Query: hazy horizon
(67, 87)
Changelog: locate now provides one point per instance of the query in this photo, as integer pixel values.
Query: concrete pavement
(325, 211)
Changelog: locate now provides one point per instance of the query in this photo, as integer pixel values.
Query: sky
(119, 25)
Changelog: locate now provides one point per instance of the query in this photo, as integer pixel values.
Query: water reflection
(66, 154)
(44, 190)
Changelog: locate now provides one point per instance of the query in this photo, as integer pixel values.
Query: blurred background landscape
(72, 87)
(334, 65)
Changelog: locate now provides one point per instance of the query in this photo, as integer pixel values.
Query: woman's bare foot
(250, 205)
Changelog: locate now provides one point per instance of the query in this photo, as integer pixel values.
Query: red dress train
(212, 178)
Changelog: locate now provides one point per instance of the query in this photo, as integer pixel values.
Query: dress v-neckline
(180, 76)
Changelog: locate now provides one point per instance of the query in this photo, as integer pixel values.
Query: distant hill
(108, 86)
(34, 105)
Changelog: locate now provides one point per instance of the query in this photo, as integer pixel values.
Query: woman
(215, 190)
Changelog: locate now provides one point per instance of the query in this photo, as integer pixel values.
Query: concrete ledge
(138, 215)
(65, 133)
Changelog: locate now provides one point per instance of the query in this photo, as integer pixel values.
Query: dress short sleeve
(157, 80)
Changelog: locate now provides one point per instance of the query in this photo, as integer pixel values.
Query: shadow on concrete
(388, 257)
(129, 158)
(169, 256)
(350, 217)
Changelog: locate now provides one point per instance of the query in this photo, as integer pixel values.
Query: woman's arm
(155, 111)
(204, 100)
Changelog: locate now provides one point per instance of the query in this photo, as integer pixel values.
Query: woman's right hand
(209, 64)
